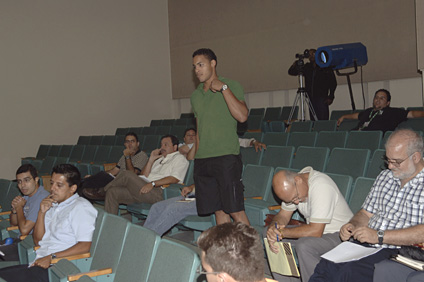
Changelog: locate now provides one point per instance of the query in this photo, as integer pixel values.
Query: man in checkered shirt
(392, 214)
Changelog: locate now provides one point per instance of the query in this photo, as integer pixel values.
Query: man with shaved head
(391, 216)
(317, 198)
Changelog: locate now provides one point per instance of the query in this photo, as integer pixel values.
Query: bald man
(317, 198)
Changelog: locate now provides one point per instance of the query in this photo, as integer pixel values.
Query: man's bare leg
(240, 217)
(222, 217)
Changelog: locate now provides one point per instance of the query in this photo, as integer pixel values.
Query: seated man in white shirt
(165, 166)
(64, 226)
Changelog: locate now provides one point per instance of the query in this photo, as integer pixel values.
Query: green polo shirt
(216, 126)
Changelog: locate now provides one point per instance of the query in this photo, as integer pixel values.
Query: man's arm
(39, 228)
(279, 221)
(306, 230)
(148, 167)
(238, 109)
(415, 114)
(158, 183)
(114, 171)
(192, 152)
(78, 248)
(349, 116)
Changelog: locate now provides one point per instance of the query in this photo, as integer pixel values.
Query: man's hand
(146, 188)
(18, 202)
(155, 155)
(258, 145)
(186, 190)
(43, 262)
(365, 234)
(46, 204)
(216, 85)
(340, 120)
(329, 101)
(271, 235)
(346, 231)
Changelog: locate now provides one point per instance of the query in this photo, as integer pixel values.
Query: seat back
(187, 115)
(250, 156)
(89, 153)
(139, 241)
(301, 126)
(278, 156)
(348, 124)
(162, 130)
(178, 131)
(285, 113)
(47, 165)
(254, 122)
(155, 122)
(257, 112)
(181, 263)
(122, 130)
(76, 154)
(150, 143)
(43, 151)
(360, 190)
(331, 139)
(376, 164)
(275, 138)
(336, 114)
(277, 126)
(84, 140)
(109, 140)
(102, 154)
(384, 140)
(347, 161)
(316, 157)
(65, 151)
(256, 135)
(148, 130)
(109, 242)
(343, 182)
(116, 152)
(364, 140)
(325, 125)
(272, 113)
(416, 124)
(169, 122)
(297, 139)
(257, 180)
(54, 150)
(4, 190)
(96, 140)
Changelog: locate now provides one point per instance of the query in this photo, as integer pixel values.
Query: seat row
(371, 140)
(176, 130)
(121, 251)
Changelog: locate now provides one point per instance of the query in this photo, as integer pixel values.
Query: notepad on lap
(284, 262)
(348, 251)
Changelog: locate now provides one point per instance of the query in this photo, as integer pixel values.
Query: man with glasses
(317, 198)
(232, 252)
(133, 160)
(381, 116)
(392, 214)
(24, 210)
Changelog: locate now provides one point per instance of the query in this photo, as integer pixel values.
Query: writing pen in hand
(277, 229)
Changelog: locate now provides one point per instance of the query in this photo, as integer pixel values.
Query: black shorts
(218, 184)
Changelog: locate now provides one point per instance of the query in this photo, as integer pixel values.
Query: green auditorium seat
(360, 190)
(47, 166)
(278, 156)
(148, 130)
(257, 112)
(297, 139)
(250, 156)
(187, 115)
(331, 139)
(376, 163)
(301, 126)
(54, 150)
(108, 140)
(286, 111)
(84, 140)
(155, 122)
(353, 162)
(348, 125)
(254, 123)
(364, 140)
(178, 131)
(150, 143)
(162, 130)
(384, 140)
(76, 154)
(66, 150)
(325, 125)
(343, 182)
(96, 140)
(122, 131)
(276, 126)
(315, 157)
(169, 122)
(336, 114)
(256, 135)
(275, 138)
(272, 113)
(416, 124)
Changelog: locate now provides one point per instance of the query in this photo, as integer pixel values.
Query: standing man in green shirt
(218, 103)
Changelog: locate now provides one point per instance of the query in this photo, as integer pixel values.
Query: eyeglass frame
(297, 198)
(200, 271)
(395, 163)
(25, 180)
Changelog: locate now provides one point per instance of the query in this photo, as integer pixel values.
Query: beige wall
(79, 67)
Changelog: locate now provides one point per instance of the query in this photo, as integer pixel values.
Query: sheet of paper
(283, 262)
(348, 251)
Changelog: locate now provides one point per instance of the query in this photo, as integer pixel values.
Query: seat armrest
(74, 257)
(10, 228)
(273, 208)
(22, 237)
(92, 273)
(5, 213)
(109, 166)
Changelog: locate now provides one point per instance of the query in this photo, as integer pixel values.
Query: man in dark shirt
(320, 84)
(381, 116)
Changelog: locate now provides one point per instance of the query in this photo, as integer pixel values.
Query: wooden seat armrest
(36, 248)
(256, 198)
(74, 257)
(22, 237)
(92, 273)
(5, 213)
(109, 166)
(10, 228)
(274, 208)
(165, 186)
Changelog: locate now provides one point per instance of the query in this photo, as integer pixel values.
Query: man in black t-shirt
(381, 116)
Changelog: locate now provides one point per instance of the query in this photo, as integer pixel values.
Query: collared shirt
(32, 204)
(174, 164)
(394, 206)
(66, 224)
(139, 160)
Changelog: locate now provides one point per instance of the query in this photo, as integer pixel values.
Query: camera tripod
(302, 97)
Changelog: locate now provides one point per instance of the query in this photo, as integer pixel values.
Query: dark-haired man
(189, 141)
(381, 116)
(165, 166)
(24, 209)
(133, 160)
(232, 252)
(218, 103)
(64, 226)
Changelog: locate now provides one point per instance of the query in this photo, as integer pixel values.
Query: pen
(277, 229)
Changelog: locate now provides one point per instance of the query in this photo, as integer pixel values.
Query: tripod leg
(296, 99)
(311, 108)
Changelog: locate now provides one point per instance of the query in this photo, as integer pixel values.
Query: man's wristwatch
(127, 157)
(53, 256)
(153, 184)
(224, 87)
(380, 235)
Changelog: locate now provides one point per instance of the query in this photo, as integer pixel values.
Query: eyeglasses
(395, 163)
(200, 270)
(25, 180)
(130, 141)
